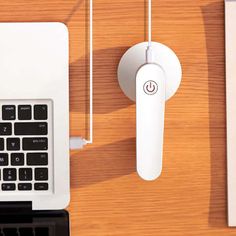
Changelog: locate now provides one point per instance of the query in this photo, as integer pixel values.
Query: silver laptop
(34, 116)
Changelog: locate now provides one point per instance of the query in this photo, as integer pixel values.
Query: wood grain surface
(107, 196)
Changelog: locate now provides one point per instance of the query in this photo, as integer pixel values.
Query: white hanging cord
(78, 142)
(150, 23)
(90, 141)
(149, 54)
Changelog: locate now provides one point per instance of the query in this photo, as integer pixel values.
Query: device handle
(150, 109)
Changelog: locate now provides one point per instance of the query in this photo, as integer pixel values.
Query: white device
(149, 73)
(150, 106)
(34, 120)
(230, 30)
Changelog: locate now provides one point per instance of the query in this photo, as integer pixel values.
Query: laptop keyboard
(25, 156)
(35, 223)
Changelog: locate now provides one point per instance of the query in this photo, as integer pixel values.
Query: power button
(150, 87)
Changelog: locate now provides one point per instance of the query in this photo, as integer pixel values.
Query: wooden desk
(107, 196)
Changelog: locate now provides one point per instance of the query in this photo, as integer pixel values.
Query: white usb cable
(90, 141)
(79, 142)
(150, 23)
(149, 53)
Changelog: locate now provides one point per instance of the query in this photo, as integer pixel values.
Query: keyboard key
(31, 128)
(42, 231)
(17, 159)
(10, 232)
(24, 112)
(35, 143)
(41, 174)
(25, 186)
(27, 232)
(5, 129)
(40, 112)
(9, 174)
(8, 187)
(37, 159)
(9, 112)
(13, 144)
(1, 144)
(3, 159)
(41, 186)
(25, 174)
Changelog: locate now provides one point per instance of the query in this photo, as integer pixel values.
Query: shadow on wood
(105, 83)
(103, 163)
(214, 16)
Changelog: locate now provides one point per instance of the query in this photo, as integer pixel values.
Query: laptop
(34, 127)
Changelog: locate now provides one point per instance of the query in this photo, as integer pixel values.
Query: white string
(149, 52)
(149, 23)
(77, 143)
(90, 141)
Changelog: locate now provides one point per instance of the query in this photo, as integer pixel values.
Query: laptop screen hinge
(9, 208)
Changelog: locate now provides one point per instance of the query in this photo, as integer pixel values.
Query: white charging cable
(149, 53)
(79, 142)
(90, 141)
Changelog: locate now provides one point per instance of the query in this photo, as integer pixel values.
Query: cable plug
(77, 143)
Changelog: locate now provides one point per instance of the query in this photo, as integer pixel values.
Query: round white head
(135, 57)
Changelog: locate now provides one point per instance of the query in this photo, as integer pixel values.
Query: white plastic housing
(133, 73)
(135, 57)
(150, 108)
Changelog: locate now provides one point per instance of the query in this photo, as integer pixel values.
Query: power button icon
(150, 87)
